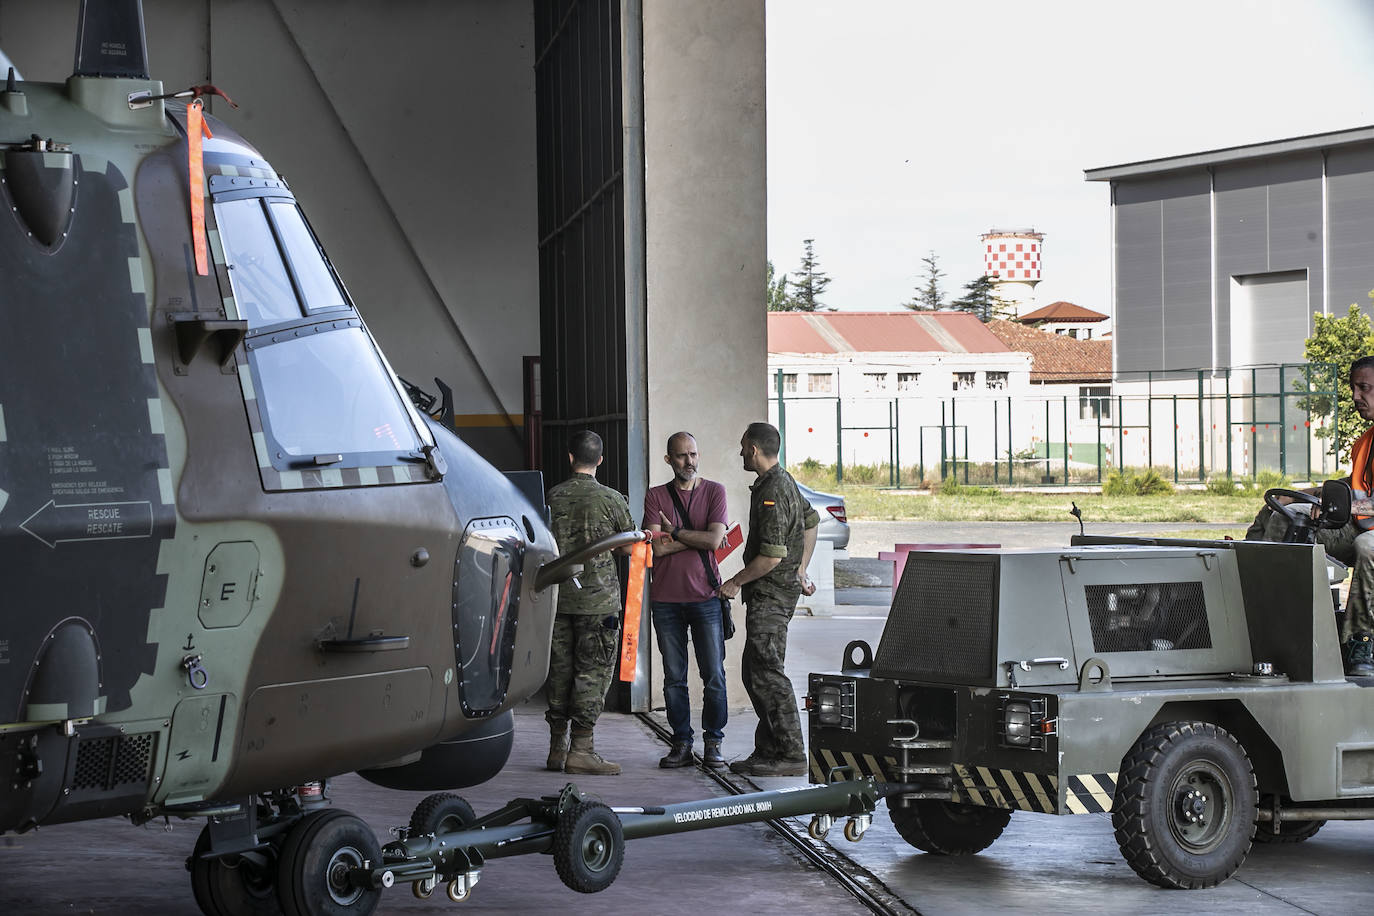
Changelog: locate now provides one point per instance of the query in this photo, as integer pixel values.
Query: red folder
(733, 539)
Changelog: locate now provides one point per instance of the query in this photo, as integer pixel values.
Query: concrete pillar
(705, 145)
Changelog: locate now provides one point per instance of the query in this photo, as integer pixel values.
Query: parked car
(834, 523)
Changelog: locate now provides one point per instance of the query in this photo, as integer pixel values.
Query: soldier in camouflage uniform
(586, 629)
(782, 535)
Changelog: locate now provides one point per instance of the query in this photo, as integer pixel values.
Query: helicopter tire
(949, 828)
(442, 812)
(588, 847)
(232, 885)
(311, 875)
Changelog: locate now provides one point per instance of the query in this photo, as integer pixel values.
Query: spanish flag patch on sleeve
(768, 503)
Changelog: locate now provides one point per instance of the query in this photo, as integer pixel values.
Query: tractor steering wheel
(1299, 519)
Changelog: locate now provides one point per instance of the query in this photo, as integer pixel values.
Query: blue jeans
(672, 622)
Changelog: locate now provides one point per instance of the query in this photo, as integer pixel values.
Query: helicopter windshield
(325, 395)
(267, 287)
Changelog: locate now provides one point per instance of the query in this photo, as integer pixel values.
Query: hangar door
(582, 187)
(1270, 318)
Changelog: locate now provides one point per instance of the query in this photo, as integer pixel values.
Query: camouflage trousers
(1354, 548)
(581, 663)
(778, 735)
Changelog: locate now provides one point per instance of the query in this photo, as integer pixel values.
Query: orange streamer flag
(640, 560)
(195, 129)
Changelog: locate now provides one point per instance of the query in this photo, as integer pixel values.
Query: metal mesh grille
(131, 763)
(105, 763)
(93, 763)
(942, 624)
(1154, 617)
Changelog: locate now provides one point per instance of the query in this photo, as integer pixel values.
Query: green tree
(929, 296)
(1335, 344)
(980, 297)
(810, 283)
(778, 300)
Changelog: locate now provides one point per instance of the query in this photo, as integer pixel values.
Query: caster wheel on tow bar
(312, 876)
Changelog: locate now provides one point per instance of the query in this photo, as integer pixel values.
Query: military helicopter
(236, 559)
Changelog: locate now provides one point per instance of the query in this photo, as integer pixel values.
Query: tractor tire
(948, 828)
(1185, 804)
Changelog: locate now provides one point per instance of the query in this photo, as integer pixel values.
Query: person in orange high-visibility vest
(1353, 544)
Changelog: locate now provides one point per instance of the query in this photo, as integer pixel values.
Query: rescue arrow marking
(90, 522)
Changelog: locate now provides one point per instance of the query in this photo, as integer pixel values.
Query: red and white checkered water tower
(1012, 258)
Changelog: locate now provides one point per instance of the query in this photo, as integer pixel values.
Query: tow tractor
(1194, 689)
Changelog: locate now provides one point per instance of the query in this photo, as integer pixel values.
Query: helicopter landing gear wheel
(233, 885)
(312, 877)
(442, 812)
(588, 847)
(1184, 811)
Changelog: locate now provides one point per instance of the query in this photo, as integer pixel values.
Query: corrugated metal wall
(581, 231)
(1164, 290)
(1350, 219)
(1185, 239)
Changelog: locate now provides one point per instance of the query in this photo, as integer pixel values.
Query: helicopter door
(486, 606)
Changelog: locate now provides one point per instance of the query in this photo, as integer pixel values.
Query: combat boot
(558, 746)
(584, 760)
(712, 756)
(1359, 655)
(679, 756)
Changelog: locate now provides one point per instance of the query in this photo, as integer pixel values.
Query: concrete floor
(1041, 864)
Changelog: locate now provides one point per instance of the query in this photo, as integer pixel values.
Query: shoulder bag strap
(687, 523)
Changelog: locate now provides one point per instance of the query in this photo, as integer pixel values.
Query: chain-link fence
(1189, 426)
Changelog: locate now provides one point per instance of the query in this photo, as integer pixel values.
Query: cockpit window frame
(289, 473)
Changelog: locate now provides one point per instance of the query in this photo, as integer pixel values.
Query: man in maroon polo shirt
(684, 598)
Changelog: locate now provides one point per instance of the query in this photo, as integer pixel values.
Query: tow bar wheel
(1184, 811)
(588, 847)
(319, 853)
(442, 812)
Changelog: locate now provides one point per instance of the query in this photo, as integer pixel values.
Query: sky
(901, 127)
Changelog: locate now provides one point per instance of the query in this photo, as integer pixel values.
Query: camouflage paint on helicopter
(235, 557)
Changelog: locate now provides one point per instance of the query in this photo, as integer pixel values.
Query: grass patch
(985, 504)
(1205, 534)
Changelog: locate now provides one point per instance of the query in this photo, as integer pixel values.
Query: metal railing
(1190, 426)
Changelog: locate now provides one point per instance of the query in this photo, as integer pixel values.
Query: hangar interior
(1222, 257)
(518, 195)
(558, 207)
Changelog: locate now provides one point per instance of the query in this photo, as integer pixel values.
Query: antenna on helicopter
(1078, 514)
(110, 40)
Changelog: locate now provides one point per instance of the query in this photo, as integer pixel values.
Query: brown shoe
(583, 760)
(679, 756)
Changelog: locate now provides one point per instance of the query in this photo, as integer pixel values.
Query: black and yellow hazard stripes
(997, 788)
(1084, 793)
(990, 787)
(1090, 793)
(823, 761)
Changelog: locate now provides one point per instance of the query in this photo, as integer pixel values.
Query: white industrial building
(910, 387)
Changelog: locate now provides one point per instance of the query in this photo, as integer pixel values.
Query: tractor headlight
(828, 705)
(1026, 722)
(831, 703)
(1016, 723)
